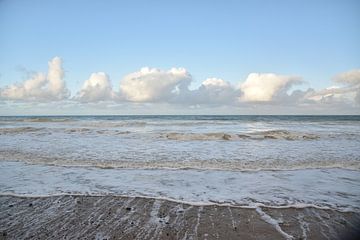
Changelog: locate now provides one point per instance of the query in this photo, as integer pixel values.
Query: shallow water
(190, 158)
(330, 188)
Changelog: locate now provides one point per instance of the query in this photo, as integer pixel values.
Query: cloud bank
(172, 87)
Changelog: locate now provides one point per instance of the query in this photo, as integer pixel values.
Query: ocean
(245, 161)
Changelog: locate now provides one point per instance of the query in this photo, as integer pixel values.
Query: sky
(179, 57)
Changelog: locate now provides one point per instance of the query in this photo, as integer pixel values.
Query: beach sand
(112, 217)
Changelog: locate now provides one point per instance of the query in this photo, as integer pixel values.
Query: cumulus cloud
(264, 87)
(351, 78)
(215, 83)
(152, 85)
(348, 90)
(97, 88)
(213, 91)
(40, 86)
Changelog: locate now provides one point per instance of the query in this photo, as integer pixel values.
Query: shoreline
(121, 217)
(253, 206)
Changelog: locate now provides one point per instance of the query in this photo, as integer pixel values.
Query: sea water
(277, 161)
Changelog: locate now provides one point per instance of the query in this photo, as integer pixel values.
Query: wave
(210, 164)
(198, 136)
(193, 186)
(95, 131)
(284, 134)
(149, 123)
(106, 124)
(45, 130)
(45, 119)
(77, 130)
(36, 119)
(16, 130)
(100, 129)
(261, 135)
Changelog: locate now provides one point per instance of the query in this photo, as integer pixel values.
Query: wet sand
(112, 217)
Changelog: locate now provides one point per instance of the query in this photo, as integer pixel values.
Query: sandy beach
(112, 217)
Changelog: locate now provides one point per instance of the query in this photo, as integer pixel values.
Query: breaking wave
(103, 124)
(16, 130)
(198, 136)
(45, 130)
(45, 119)
(260, 135)
(95, 131)
(36, 119)
(206, 164)
(140, 124)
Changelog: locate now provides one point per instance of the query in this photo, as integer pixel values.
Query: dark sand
(110, 217)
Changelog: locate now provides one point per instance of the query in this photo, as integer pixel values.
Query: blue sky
(315, 40)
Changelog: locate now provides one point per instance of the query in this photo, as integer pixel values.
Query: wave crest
(284, 134)
(16, 130)
(198, 136)
(45, 119)
(262, 135)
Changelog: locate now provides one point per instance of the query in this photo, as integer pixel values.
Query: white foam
(303, 225)
(17, 130)
(332, 188)
(267, 218)
(258, 135)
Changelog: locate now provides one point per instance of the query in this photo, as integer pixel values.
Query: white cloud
(214, 91)
(348, 91)
(215, 83)
(96, 88)
(151, 84)
(332, 91)
(40, 86)
(264, 87)
(351, 78)
(148, 88)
